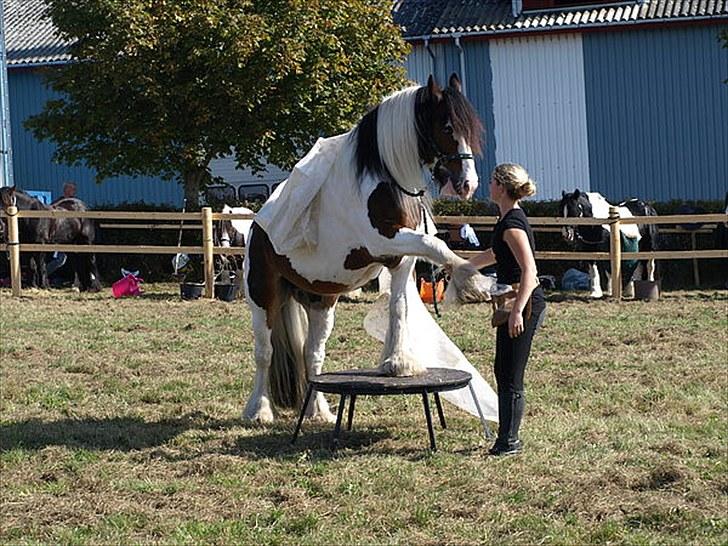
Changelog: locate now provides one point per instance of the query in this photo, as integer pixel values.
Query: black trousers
(511, 354)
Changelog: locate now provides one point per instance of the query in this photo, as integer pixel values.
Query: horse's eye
(447, 130)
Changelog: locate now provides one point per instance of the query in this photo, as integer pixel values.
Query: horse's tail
(288, 377)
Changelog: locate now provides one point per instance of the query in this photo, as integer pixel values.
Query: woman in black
(512, 252)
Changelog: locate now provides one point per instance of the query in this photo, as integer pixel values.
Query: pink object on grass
(127, 286)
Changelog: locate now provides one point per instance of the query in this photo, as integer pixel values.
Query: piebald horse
(350, 208)
(643, 237)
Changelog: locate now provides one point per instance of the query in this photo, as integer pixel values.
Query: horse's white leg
(637, 275)
(259, 407)
(651, 270)
(320, 325)
(397, 356)
(596, 286)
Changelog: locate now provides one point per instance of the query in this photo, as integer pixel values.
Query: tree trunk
(194, 179)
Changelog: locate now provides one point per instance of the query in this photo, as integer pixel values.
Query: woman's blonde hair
(516, 180)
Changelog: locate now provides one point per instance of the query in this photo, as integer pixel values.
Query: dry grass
(120, 423)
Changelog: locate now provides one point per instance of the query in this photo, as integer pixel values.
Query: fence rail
(204, 220)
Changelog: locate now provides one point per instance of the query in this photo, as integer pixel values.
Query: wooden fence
(204, 220)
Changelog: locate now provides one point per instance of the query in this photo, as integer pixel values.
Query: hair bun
(527, 189)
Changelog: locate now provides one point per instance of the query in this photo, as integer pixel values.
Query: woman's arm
(517, 241)
(482, 259)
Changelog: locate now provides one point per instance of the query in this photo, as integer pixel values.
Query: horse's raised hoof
(259, 411)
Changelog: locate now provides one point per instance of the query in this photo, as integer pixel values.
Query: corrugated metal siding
(540, 111)
(479, 76)
(35, 170)
(657, 110)
(418, 64)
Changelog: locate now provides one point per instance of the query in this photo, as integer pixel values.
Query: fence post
(14, 249)
(207, 252)
(615, 253)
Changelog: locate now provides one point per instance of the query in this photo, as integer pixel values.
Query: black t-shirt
(507, 267)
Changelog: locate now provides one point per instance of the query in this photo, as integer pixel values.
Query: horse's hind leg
(259, 407)
(320, 325)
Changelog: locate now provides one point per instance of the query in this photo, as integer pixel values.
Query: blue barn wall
(34, 168)
(657, 113)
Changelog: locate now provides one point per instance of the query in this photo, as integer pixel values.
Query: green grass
(120, 423)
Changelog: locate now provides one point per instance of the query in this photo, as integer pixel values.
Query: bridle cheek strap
(444, 158)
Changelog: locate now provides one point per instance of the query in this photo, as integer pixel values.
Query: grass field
(120, 423)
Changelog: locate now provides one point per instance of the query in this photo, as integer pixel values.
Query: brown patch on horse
(387, 215)
(359, 258)
(268, 269)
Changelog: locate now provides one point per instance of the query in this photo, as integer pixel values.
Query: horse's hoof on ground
(318, 410)
(596, 295)
(258, 413)
(322, 416)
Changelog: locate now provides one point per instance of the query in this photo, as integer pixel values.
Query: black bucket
(226, 292)
(191, 290)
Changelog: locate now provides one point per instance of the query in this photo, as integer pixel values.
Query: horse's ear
(433, 88)
(455, 83)
(577, 193)
(563, 193)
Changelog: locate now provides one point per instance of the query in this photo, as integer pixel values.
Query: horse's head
(449, 133)
(7, 197)
(574, 205)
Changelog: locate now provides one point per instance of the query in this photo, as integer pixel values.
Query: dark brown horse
(79, 231)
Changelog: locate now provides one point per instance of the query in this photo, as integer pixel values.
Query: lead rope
(432, 266)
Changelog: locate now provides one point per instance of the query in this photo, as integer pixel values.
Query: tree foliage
(161, 87)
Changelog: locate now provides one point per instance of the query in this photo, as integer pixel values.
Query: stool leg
(426, 403)
(309, 391)
(351, 411)
(337, 428)
(486, 428)
(439, 410)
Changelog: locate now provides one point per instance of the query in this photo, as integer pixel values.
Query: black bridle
(440, 158)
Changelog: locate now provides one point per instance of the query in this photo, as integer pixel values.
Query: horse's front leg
(410, 243)
(259, 407)
(397, 356)
(596, 283)
(320, 325)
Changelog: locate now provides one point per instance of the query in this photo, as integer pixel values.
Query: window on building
(255, 192)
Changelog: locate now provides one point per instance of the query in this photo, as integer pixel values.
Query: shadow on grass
(121, 433)
(268, 441)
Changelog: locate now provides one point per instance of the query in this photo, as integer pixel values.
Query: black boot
(511, 406)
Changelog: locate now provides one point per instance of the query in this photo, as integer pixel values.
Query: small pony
(643, 237)
(351, 207)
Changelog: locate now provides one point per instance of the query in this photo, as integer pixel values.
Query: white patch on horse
(600, 209)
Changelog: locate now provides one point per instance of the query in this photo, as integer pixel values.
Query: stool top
(372, 381)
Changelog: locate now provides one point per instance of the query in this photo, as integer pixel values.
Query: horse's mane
(386, 140)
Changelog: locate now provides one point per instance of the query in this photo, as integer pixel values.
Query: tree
(161, 87)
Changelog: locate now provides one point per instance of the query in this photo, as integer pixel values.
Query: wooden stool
(352, 383)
